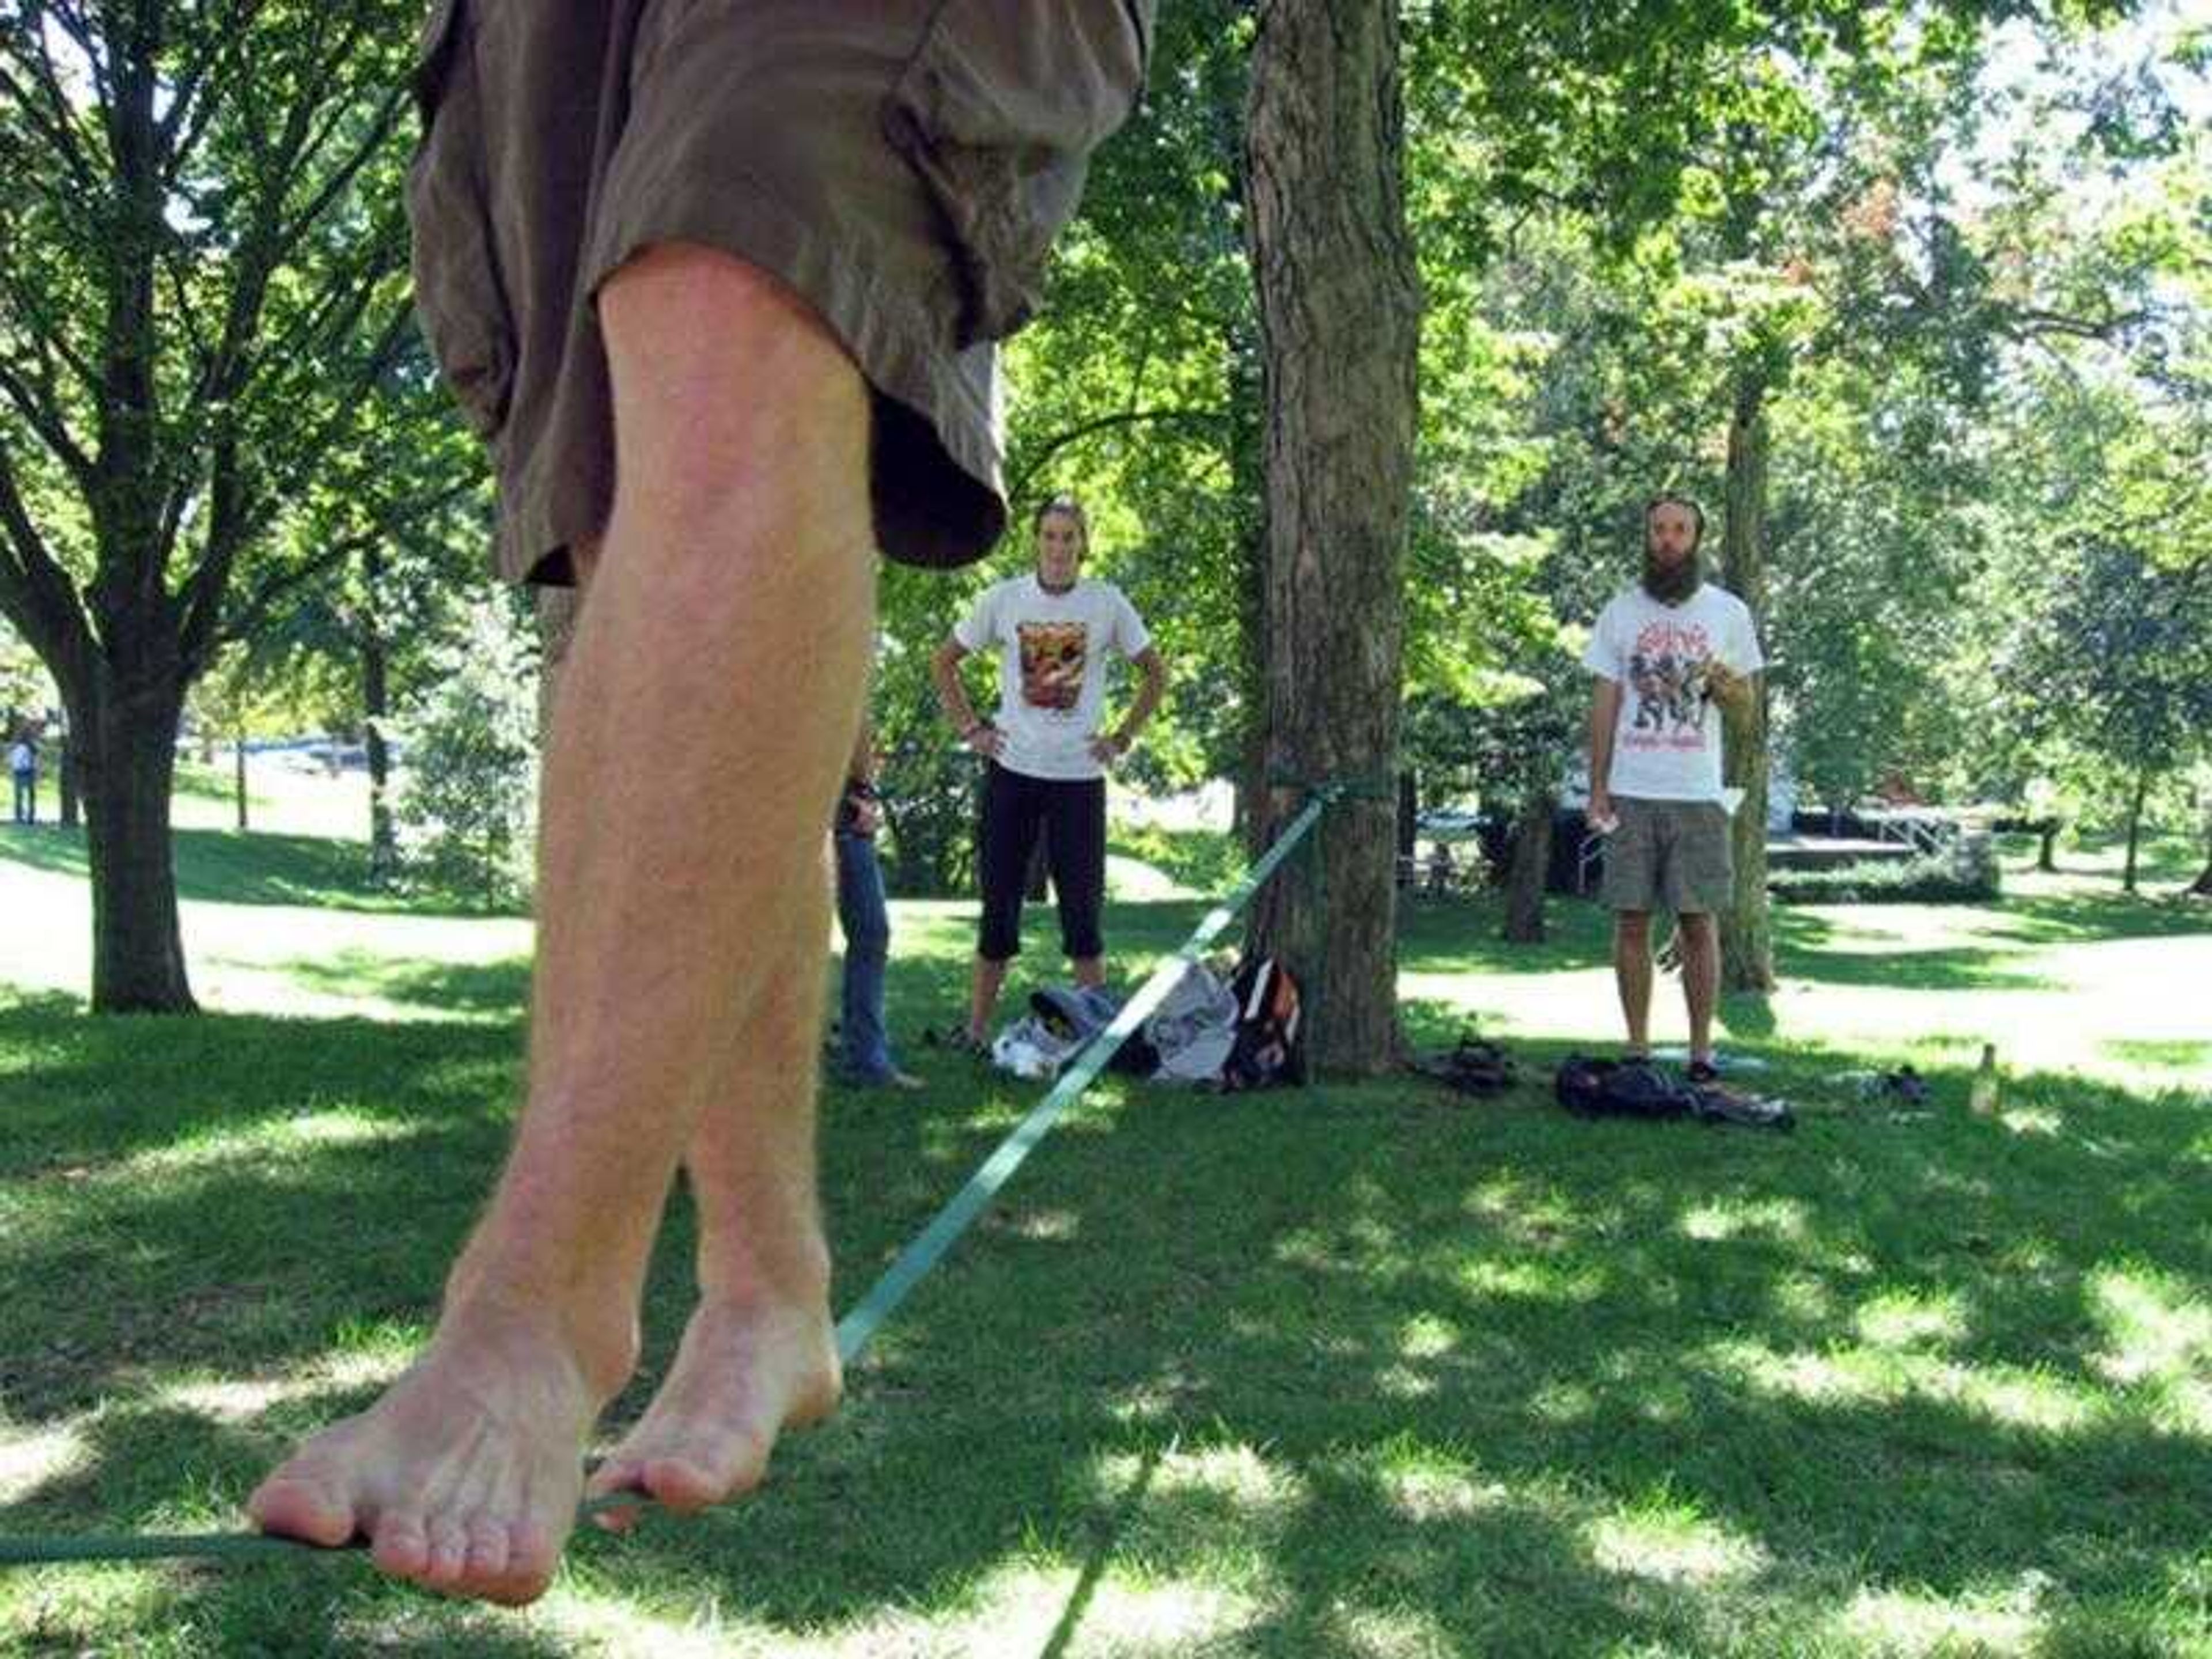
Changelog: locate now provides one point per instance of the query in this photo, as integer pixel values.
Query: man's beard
(1670, 584)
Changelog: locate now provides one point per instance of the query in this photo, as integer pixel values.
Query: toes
(302, 1507)
(402, 1545)
(486, 1565)
(449, 1551)
(615, 1475)
(532, 1552)
(686, 1484)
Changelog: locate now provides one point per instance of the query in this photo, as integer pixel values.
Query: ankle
(742, 1279)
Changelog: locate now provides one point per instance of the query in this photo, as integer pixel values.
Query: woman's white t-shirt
(1051, 667)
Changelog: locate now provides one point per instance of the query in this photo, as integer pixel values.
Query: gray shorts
(1669, 855)
(902, 165)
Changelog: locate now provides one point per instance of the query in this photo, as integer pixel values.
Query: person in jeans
(1668, 652)
(1051, 629)
(864, 1041)
(720, 287)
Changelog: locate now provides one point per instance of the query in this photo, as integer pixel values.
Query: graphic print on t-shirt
(1052, 658)
(1669, 697)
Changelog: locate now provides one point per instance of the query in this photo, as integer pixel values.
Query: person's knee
(718, 370)
(1632, 928)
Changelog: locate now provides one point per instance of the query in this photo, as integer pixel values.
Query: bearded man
(1656, 782)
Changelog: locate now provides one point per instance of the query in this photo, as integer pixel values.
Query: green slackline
(866, 1318)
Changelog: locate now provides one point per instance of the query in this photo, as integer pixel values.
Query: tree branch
(1076, 433)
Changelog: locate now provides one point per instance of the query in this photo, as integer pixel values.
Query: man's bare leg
(1632, 973)
(1089, 971)
(706, 709)
(1701, 978)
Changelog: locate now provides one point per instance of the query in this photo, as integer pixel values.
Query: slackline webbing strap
(867, 1316)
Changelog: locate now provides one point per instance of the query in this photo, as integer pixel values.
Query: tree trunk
(129, 769)
(2135, 828)
(238, 754)
(1529, 863)
(1339, 312)
(1409, 818)
(2201, 887)
(1747, 930)
(2046, 855)
(66, 769)
(376, 709)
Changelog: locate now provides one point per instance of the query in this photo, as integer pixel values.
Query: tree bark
(238, 788)
(1747, 930)
(2046, 853)
(1526, 869)
(2135, 828)
(130, 769)
(376, 709)
(2201, 887)
(1409, 818)
(1339, 312)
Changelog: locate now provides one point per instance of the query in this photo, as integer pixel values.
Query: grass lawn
(1351, 1370)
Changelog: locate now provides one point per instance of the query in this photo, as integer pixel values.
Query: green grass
(1359, 1369)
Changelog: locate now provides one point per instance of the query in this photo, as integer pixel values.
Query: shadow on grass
(224, 867)
(1321, 1363)
(466, 989)
(1327, 1365)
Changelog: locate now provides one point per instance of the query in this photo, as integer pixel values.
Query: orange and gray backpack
(1266, 1052)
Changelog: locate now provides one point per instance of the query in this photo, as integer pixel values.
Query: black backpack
(1266, 1052)
(1621, 1088)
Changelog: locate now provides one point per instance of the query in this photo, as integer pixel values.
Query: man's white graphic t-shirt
(1051, 667)
(1667, 745)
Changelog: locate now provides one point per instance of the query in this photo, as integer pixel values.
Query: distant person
(1678, 645)
(1046, 751)
(865, 1054)
(23, 770)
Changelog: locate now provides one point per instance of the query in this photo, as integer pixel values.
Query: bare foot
(741, 1377)
(464, 1477)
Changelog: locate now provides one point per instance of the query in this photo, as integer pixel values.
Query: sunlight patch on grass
(1425, 1336)
(1393, 1633)
(1536, 1281)
(30, 1459)
(2156, 1329)
(1780, 1219)
(1909, 1626)
(1899, 1319)
(1229, 1480)
(272, 1141)
(1667, 1540)
(2017, 1398)
(1044, 1227)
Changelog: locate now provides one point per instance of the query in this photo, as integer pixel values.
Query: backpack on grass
(1265, 1052)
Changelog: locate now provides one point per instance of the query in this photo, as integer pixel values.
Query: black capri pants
(1072, 813)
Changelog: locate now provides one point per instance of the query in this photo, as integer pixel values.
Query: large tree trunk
(66, 772)
(1339, 312)
(238, 772)
(2135, 828)
(1525, 873)
(1409, 819)
(1747, 930)
(376, 709)
(129, 754)
(2201, 887)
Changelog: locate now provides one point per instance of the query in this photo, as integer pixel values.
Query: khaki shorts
(902, 165)
(1669, 855)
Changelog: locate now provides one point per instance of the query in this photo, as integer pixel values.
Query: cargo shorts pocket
(458, 294)
(998, 110)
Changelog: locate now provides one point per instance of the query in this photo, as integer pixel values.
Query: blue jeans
(866, 923)
(26, 797)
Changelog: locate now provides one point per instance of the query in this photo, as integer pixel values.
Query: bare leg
(1089, 970)
(727, 627)
(1632, 972)
(990, 979)
(1701, 978)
